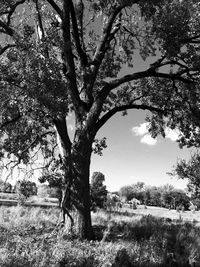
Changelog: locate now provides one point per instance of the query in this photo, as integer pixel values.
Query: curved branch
(113, 111)
(147, 73)
(5, 48)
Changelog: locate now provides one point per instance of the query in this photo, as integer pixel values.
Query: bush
(25, 189)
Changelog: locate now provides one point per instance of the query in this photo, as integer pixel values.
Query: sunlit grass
(29, 237)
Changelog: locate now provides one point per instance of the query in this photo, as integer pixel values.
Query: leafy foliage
(26, 188)
(5, 187)
(190, 170)
(164, 196)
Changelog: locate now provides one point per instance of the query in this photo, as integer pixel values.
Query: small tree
(126, 192)
(98, 191)
(5, 187)
(26, 188)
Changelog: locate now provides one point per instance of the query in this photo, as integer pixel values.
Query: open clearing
(187, 216)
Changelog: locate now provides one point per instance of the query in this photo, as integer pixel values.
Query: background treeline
(163, 196)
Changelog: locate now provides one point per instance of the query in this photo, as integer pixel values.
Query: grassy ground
(7, 199)
(29, 237)
(187, 216)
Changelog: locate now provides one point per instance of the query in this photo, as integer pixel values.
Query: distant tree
(166, 195)
(180, 199)
(147, 197)
(140, 186)
(126, 192)
(7, 188)
(155, 196)
(1, 185)
(139, 191)
(167, 199)
(98, 191)
(26, 188)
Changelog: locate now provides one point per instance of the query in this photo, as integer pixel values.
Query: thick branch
(113, 111)
(81, 53)
(6, 29)
(62, 131)
(147, 73)
(99, 55)
(5, 48)
(108, 35)
(39, 18)
(70, 72)
(101, 49)
(55, 7)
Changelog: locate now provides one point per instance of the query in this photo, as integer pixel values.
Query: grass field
(29, 237)
(188, 216)
(7, 199)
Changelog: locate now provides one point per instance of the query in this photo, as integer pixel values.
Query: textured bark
(76, 191)
(81, 155)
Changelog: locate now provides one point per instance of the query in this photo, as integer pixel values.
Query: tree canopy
(190, 170)
(79, 57)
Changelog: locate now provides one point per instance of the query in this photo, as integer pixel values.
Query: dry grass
(186, 216)
(28, 237)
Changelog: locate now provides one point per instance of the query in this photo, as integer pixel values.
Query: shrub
(25, 189)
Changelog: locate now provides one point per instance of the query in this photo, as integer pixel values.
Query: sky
(133, 156)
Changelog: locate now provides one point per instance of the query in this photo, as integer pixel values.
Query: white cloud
(147, 139)
(172, 134)
(141, 130)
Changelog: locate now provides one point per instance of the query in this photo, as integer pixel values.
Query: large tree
(62, 57)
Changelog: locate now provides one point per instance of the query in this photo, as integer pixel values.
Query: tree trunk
(76, 198)
(81, 156)
(76, 166)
